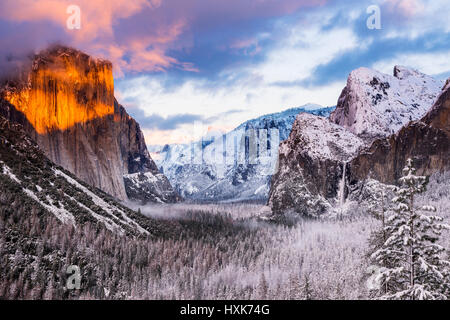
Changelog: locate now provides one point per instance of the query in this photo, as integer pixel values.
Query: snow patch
(7, 171)
(60, 213)
(322, 139)
(102, 203)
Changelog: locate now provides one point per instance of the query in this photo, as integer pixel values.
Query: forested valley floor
(201, 252)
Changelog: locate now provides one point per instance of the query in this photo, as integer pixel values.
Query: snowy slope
(374, 104)
(234, 166)
(42, 186)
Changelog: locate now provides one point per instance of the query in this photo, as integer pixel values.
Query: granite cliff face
(380, 121)
(143, 181)
(426, 141)
(67, 105)
(312, 164)
(375, 105)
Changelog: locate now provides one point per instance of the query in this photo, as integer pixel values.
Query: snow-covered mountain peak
(402, 73)
(374, 104)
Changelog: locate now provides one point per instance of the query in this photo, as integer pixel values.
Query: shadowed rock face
(143, 181)
(130, 138)
(426, 141)
(67, 106)
(311, 166)
(312, 159)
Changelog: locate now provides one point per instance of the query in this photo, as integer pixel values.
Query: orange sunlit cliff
(65, 102)
(64, 90)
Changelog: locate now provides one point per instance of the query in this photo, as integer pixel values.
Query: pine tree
(295, 289)
(417, 269)
(377, 205)
(263, 287)
(306, 289)
(49, 291)
(380, 208)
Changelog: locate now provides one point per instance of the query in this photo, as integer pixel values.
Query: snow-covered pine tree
(378, 195)
(263, 287)
(417, 268)
(306, 288)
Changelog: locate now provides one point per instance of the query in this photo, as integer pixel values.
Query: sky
(181, 64)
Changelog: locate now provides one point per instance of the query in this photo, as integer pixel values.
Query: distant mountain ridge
(198, 172)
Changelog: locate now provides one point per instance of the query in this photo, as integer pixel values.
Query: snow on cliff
(321, 139)
(374, 104)
(234, 166)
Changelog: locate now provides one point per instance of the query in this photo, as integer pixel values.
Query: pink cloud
(96, 35)
(137, 35)
(243, 43)
(407, 8)
(145, 53)
(98, 17)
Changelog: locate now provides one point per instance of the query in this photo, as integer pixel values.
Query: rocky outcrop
(380, 121)
(143, 181)
(312, 165)
(426, 141)
(67, 106)
(130, 138)
(375, 105)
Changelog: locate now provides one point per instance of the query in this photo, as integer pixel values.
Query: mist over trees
(201, 252)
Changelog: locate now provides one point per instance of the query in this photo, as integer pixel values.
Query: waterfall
(341, 192)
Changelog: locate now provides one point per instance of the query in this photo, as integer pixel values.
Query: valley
(200, 252)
